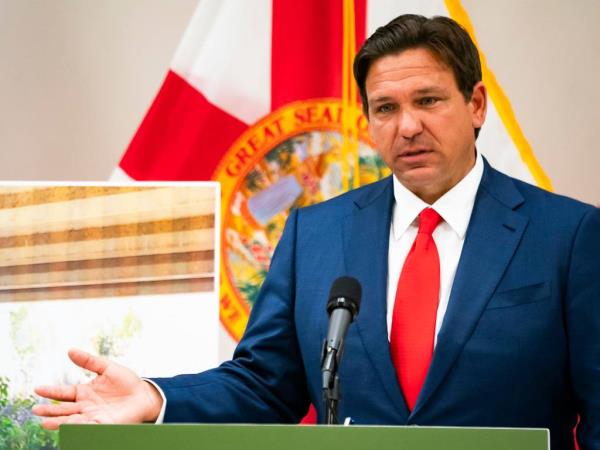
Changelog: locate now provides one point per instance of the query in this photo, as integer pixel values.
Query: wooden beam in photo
(97, 211)
(145, 288)
(159, 243)
(108, 274)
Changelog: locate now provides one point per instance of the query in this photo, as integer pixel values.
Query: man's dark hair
(442, 35)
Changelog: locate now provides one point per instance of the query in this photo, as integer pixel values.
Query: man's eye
(385, 108)
(428, 101)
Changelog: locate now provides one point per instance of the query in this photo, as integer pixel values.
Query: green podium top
(294, 437)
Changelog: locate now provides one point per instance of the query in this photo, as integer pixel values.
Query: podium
(294, 437)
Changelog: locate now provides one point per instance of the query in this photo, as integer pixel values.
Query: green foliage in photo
(19, 429)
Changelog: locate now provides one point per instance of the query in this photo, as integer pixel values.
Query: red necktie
(415, 309)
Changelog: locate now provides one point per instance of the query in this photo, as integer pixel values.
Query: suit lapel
(366, 237)
(494, 233)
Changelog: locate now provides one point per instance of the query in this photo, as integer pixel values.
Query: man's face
(420, 122)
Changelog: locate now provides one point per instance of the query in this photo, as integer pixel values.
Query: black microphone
(342, 307)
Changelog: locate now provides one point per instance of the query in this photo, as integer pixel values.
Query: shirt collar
(455, 206)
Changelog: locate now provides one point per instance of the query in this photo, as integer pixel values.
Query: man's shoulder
(535, 199)
(344, 204)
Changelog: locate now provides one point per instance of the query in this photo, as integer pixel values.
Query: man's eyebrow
(381, 99)
(429, 90)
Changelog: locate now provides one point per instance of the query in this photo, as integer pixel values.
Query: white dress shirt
(455, 207)
(161, 415)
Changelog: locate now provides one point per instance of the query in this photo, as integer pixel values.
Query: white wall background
(76, 77)
(546, 56)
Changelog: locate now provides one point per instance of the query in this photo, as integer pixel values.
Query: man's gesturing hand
(116, 395)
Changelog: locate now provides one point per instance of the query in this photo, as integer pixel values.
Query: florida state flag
(260, 97)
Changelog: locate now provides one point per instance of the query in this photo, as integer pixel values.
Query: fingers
(87, 361)
(68, 393)
(55, 422)
(61, 409)
(61, 393)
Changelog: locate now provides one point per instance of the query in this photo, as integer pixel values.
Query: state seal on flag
(300, 154)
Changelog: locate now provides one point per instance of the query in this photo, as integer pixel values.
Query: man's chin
(418, 177)
(422, 181)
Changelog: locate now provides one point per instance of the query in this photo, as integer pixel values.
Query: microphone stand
(332, 397)
(331, 384)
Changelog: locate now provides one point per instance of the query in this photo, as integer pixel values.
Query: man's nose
(409, 124)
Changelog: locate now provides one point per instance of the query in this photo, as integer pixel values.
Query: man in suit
(481, 293)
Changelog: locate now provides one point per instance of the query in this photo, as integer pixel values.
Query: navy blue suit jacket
(519, 345)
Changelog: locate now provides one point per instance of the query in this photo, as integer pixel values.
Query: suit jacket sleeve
(583, 327)
(265, 382)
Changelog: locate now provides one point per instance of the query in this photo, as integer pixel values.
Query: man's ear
(478, 104)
